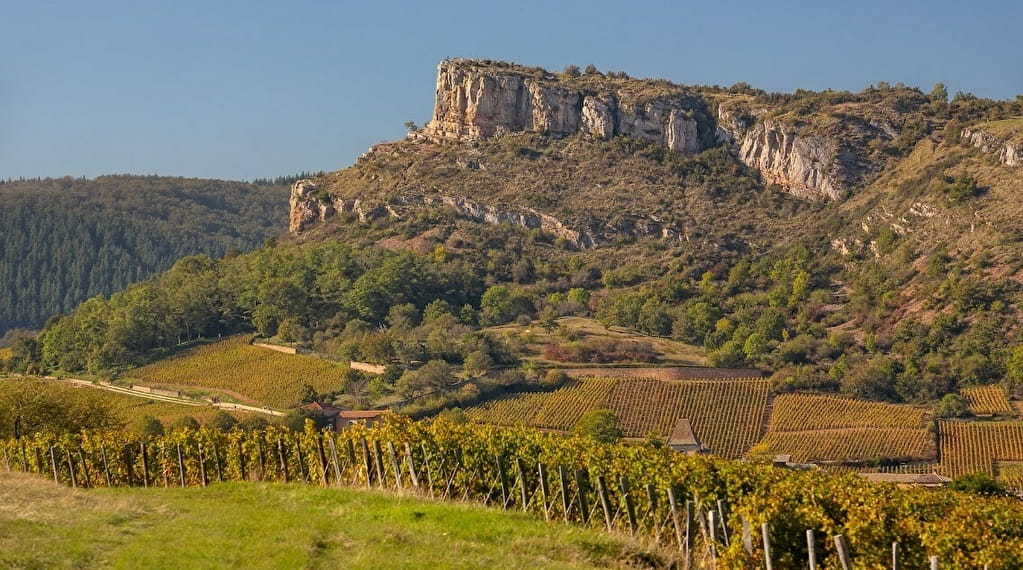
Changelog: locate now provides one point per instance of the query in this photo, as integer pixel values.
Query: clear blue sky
(246, 89)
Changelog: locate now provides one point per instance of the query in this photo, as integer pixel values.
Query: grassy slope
(580, 328)
(127, 408)
(280, 526)
(256, 374)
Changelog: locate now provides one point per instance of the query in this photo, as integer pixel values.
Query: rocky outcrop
(799, 164)
(475, 102)
(1010, 153)
(309, 206)
(803, 165)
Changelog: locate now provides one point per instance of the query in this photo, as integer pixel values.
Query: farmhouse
(683, 439)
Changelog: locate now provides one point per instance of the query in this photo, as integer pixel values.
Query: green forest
(64, 240)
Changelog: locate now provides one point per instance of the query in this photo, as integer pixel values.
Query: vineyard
(854, 445)
(813, 427)
(975, 447)
(806, 412)
(988, 400)
(265, 376)
(726, 414)
(702, 507)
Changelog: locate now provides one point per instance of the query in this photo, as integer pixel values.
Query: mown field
(727, 415)
(251, 525)
(256, 374)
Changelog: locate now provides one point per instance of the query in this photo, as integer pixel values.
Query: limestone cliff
(479, 100)
(476, 101)
(309, 206)
(1001, 138)
(802, 165)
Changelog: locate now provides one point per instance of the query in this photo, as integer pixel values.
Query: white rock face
(1009, 153)
(799, 164)
(598, 117)
(474, 104)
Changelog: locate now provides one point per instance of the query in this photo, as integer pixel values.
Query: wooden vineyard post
(503, 479)
(766, 531)
(895, 556)
(843, 552)
(7, 460)
(712, 528)
(429, 470)
(53, 462)
(106, 465)
(85, 467)
(163, 464)
(412, 475)
(283, 459)
(580, 483)
(723, 520)
(217, 462)
(605, 502)
(71, 467)
(395, 466)
(563, 481)
(378, 457)
(630, 508)
(145, 465)
(520, 471)
(367, 461)
(934, 563)
(262, 458)
(202, 466)
(321, 454)
(705, 534)
(334, 460)
(747, 537)
(673, 505)
(545, 490)
(181, 464)
(690, 530)
(242, 471)
(303, 471)
(129, 464)
(352, 461)
(651, 493)
(811, 549)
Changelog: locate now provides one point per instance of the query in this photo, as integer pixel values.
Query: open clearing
(250, 525)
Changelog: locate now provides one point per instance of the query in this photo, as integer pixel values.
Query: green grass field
(249, 525)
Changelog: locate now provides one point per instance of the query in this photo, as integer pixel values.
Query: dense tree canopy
(64, 240)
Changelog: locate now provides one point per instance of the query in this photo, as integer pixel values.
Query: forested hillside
(65, 240)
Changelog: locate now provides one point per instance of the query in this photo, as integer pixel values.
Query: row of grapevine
(974, 447)
(704, 506)
(984, 400)
(266, 376)
(727, 415)
(807, 412)
(850, 445)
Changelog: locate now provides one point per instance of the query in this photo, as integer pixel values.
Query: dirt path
(166, 398)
